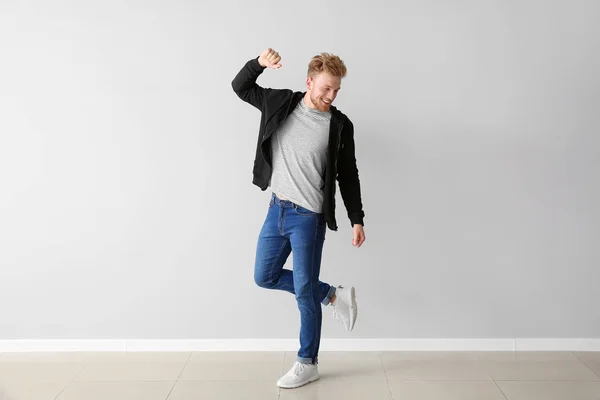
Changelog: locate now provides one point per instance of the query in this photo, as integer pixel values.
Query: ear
(309, 82)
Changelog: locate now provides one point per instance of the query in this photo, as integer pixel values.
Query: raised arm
(244, 84)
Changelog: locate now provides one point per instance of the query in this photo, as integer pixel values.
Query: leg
(272, 252)
(307, 235)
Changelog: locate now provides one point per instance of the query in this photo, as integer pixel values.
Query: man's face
(323, 89)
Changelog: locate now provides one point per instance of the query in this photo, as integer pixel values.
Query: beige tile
(232, 370)
(588, 355)
(527, 356)
(325, 389)
(131, 371)
(594, 366)
(138, 357)
(225, 390)
(539, 371)
(551, 390)
(344, 365)
(26, 372)
(116, 391)
(98, 356)
(30, 390)
(431, 355)
(349, 356)
(435, 370)
(276, 356)
(445, 390)
(43, 357)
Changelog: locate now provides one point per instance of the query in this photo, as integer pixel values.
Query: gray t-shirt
(299, 157)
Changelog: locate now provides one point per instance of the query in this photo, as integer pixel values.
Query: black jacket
(275, 105)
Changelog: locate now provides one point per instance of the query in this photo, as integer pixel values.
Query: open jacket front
(275, 106)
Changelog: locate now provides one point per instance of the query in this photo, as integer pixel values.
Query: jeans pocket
(303, 211)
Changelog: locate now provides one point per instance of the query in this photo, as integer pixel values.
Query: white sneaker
(299, 375)
(344, 307)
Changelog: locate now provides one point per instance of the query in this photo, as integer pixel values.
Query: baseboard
(387, 344)
(563, 344)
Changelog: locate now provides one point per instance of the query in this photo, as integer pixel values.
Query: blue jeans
(290, 228)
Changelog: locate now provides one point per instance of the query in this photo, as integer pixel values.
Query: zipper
(339, 141)
(335, 166)
(266, 136)
(287, 111)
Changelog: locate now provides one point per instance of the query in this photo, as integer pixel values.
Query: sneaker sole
(354, 310)
(297, 385)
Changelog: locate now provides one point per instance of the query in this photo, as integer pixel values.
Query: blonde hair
(326, 62)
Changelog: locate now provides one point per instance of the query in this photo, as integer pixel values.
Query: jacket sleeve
(348, 177)
(244, 84)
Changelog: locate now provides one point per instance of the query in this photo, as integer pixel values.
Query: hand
(270, 59)
(359, 235)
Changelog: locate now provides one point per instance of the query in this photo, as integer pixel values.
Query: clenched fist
(270, 59)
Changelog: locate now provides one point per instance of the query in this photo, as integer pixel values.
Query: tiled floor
(344, 375)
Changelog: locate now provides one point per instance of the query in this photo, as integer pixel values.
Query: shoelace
(298, 368)
(336, 314)
(339, 316)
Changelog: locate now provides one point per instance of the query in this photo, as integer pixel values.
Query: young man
(304, 145)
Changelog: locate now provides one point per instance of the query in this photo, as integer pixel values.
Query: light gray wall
(126, 203)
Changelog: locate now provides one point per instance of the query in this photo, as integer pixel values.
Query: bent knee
(262, 282)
